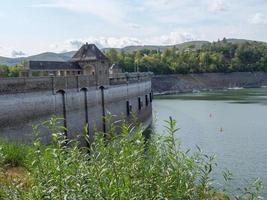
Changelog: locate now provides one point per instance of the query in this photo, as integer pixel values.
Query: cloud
(172, 38)
(134, 26)
(75, 43)
(112, 11)
(217, 5)
(162, 4)
(17, 54)
(101, 42)
(258, 18)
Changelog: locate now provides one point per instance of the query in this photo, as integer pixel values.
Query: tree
(221, 56)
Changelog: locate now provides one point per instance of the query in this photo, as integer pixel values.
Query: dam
(76, 99)
(82, 92)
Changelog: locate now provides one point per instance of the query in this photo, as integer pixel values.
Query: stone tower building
(93, 62)
(88, 60)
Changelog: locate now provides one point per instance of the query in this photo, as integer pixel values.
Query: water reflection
(240, 96)
(229, 123)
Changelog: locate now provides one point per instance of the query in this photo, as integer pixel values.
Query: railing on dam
(32, 84)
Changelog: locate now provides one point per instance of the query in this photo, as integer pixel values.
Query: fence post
(62, 92)
(103, 108)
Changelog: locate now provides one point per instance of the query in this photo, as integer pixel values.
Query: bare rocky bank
(178, 83)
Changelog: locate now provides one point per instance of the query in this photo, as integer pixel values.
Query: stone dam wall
(176, 83)
(77, 100)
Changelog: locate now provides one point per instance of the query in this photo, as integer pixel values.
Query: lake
(231, 124)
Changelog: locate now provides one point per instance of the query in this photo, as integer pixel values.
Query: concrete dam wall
(175, 83)
(77, 100)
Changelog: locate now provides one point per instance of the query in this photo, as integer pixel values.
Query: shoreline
(166, 93)
(193, 83)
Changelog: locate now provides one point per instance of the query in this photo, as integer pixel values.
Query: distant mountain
(192, 45)
(182, 46)
(50, 56)
(10, 61)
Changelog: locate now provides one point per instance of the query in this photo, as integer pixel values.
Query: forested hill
(50, 56)
(182, 46)
(223, 56)
(228, 55)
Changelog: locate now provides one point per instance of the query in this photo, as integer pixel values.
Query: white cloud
(162, 4)
(258, 18)
(3, 52)
(134, 26)
(17, 54)
(101, 42)
(11, 52)
(119, 42)
(172, 38)
(217, 5)
(76, 44)
(112, 10)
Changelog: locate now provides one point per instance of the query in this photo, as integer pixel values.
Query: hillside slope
(50, 56)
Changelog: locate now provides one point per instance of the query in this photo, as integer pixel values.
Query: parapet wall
(37, 84)
(26, 102)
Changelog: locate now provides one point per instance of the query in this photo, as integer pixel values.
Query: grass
(14, 154)
(122, 167)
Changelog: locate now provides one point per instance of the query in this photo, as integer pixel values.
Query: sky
(30, 27)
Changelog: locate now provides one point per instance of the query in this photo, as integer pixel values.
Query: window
(93, 73)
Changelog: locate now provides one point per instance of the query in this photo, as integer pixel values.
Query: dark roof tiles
(88, 52)
(51, 65)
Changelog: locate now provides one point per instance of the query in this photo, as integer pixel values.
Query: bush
(122, 166)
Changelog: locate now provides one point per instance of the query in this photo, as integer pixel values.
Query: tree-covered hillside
(221, 56)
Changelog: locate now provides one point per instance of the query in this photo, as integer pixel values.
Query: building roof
(88, 52)
(52, 65)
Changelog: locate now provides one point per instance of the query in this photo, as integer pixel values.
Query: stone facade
(88, 60)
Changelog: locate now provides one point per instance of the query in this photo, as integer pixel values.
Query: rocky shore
(179, 83)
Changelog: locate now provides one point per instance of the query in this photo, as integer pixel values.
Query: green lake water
(231, 124)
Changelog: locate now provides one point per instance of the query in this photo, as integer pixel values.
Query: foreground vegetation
(221, 56)
(123, 166)
(9, 71)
